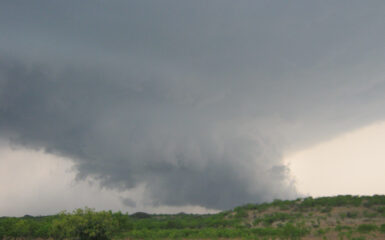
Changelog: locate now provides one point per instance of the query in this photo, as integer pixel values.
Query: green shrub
(370, 214)
(381, 210)
(382, 228)
(269, 219)
(290, 231)
(241, 213)
(327, 209)
(366, 228)
(84, 224)
(359, 238)
(353, 214)
(340, 228)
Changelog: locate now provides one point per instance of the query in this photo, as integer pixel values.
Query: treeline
(90, 225)
(80, 224)
(87, 224)
(321, 202)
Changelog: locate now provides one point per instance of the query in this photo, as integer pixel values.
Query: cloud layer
(197, 100)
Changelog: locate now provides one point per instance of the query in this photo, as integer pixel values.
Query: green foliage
(84, 224)
(25, 227)
(322, 231)
(276, 220)
(382, 228)
(374, 200)
(369, 214)
(327, 209)
(366, 228)
(347, 200)
(340, 228)
(290, 231)
(271, 218)
(283, 205)
(359, 238)
(350, 214)
(381, 210)
(240, 212)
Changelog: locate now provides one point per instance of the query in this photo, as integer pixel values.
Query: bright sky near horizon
(352, 163)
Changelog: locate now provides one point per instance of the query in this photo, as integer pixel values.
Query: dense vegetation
(340, 217)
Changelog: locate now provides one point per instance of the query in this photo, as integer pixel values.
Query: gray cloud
(196, 100)
(128, 202)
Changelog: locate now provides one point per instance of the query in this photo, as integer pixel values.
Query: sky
(195, 106)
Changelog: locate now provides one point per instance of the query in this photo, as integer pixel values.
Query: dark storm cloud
(196, 100)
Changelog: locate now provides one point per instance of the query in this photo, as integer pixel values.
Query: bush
(340, 228)
(381, 210)
(366, 228)
(290, 231)
(382, 228)
(84, 224)
(240, 213)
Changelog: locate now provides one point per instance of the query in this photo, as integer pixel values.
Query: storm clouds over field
(195, 100)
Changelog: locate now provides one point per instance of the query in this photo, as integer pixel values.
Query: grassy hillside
(340, 217)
